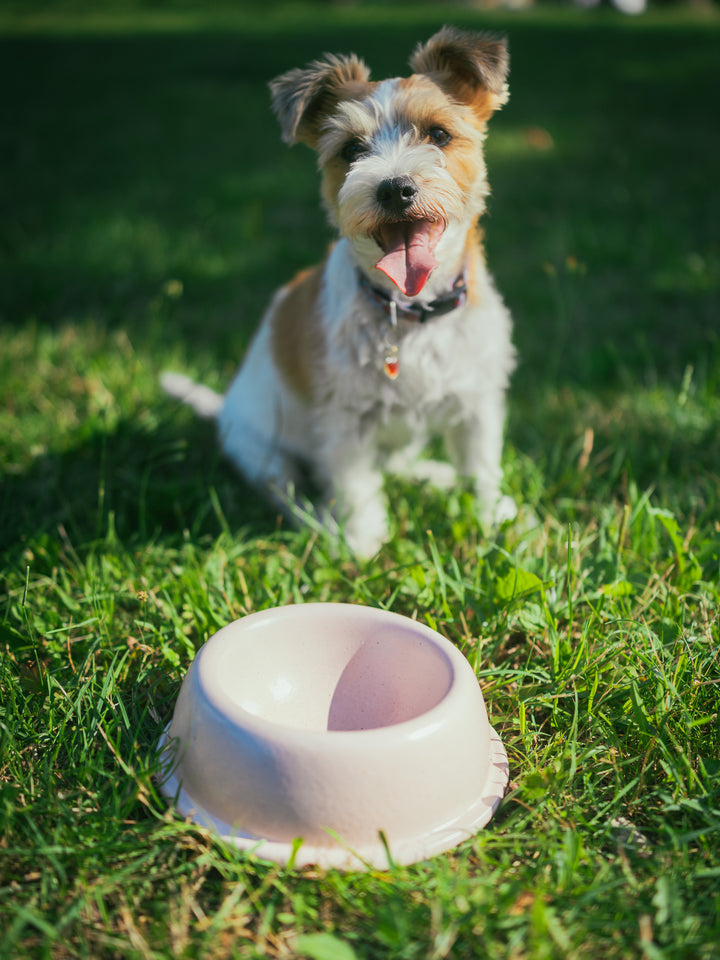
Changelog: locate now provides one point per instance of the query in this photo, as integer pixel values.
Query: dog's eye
(439, 136)
(353, 150)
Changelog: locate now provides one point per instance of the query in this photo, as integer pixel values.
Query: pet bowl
(358, 731)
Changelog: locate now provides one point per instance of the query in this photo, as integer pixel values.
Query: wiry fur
(312, 392)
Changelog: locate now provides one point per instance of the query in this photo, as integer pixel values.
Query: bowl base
(340, 856)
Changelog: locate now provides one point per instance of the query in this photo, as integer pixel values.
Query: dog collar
(417, 312)
(413, 312)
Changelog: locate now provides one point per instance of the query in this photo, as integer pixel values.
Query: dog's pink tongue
(408, 259)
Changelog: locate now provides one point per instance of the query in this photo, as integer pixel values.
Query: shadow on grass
(142, 487)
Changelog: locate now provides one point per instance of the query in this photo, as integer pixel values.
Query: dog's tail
(204, 401)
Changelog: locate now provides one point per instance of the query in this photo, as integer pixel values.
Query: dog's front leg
(474, 445)
(355, 491)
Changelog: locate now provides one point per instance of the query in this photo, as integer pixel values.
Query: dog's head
(403, 172)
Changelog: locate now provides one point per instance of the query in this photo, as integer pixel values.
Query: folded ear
(302, 97)
(472, 68)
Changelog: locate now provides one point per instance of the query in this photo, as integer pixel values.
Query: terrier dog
(400, 334)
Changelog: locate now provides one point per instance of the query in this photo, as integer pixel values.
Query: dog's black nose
(396, 194)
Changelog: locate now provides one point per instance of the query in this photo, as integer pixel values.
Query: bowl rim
(225, 707)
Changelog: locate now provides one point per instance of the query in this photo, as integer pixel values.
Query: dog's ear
(472, 68)
(301, 98)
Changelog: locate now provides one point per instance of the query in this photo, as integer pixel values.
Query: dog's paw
(505, 509)
(499, 511)
(364, 543)
(366, 532)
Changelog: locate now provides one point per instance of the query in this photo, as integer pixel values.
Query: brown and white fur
(404, 182)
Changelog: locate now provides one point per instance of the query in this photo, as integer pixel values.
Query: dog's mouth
(408, 247)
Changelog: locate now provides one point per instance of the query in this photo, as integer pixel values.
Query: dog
(400, 334)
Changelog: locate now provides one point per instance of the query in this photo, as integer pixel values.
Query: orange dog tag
(392, 365)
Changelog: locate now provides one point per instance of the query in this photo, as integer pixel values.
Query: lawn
(148, 211)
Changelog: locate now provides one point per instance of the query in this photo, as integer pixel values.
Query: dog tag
(392, 365)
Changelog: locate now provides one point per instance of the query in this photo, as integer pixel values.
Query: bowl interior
(334, 670)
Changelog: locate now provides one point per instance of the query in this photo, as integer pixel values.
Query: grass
(148, 211)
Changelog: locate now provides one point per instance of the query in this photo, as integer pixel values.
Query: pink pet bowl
(356, 731)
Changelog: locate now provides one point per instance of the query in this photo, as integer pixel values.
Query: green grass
(148, 210)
